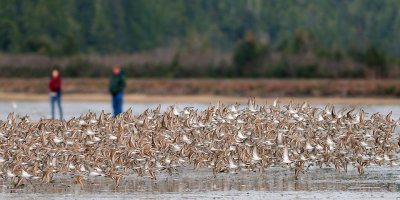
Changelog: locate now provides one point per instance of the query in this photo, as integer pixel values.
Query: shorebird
(224, 138)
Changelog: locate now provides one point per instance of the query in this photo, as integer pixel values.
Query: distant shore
(267, 88)
(336, 91)
(199, 99)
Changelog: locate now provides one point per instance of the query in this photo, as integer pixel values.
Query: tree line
(106, 26)
(253, 31)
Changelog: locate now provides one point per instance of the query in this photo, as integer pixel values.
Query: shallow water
(277, 183)
(37, 110)
(377, 182)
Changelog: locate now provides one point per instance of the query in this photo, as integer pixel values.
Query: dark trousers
(56, 97)
(117, 103)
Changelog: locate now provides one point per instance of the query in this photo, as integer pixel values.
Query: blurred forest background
(202, 38)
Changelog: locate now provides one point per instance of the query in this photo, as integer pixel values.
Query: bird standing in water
(221, 138)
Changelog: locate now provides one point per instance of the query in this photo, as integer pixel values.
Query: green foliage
(298, 45)
(102, 26)
(375, 60)
(244, 56)
(308, 71)
(70, 45)
(247, 55)
(174, 66)
(299, 42)
(280, 70)
(335, 54)
(8, 34)
(334, 31)
(356, 54)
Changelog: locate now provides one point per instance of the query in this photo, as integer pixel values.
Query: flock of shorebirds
(225, 138)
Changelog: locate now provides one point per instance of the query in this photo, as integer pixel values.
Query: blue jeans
(56, 97)
(117, 103)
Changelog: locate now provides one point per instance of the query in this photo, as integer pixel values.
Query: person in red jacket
(55, 92)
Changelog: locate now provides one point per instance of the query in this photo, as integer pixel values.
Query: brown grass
(153, 57)
(198, 98)
(221, 87)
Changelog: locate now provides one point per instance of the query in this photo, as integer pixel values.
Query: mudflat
(101, 97)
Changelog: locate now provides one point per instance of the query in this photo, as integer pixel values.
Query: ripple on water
(187, 182)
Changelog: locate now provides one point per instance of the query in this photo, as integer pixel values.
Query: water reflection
(376, 179)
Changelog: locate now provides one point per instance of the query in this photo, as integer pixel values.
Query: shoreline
(318, 88)
(101, 97)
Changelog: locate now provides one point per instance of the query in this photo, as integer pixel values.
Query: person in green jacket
(117, 85)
